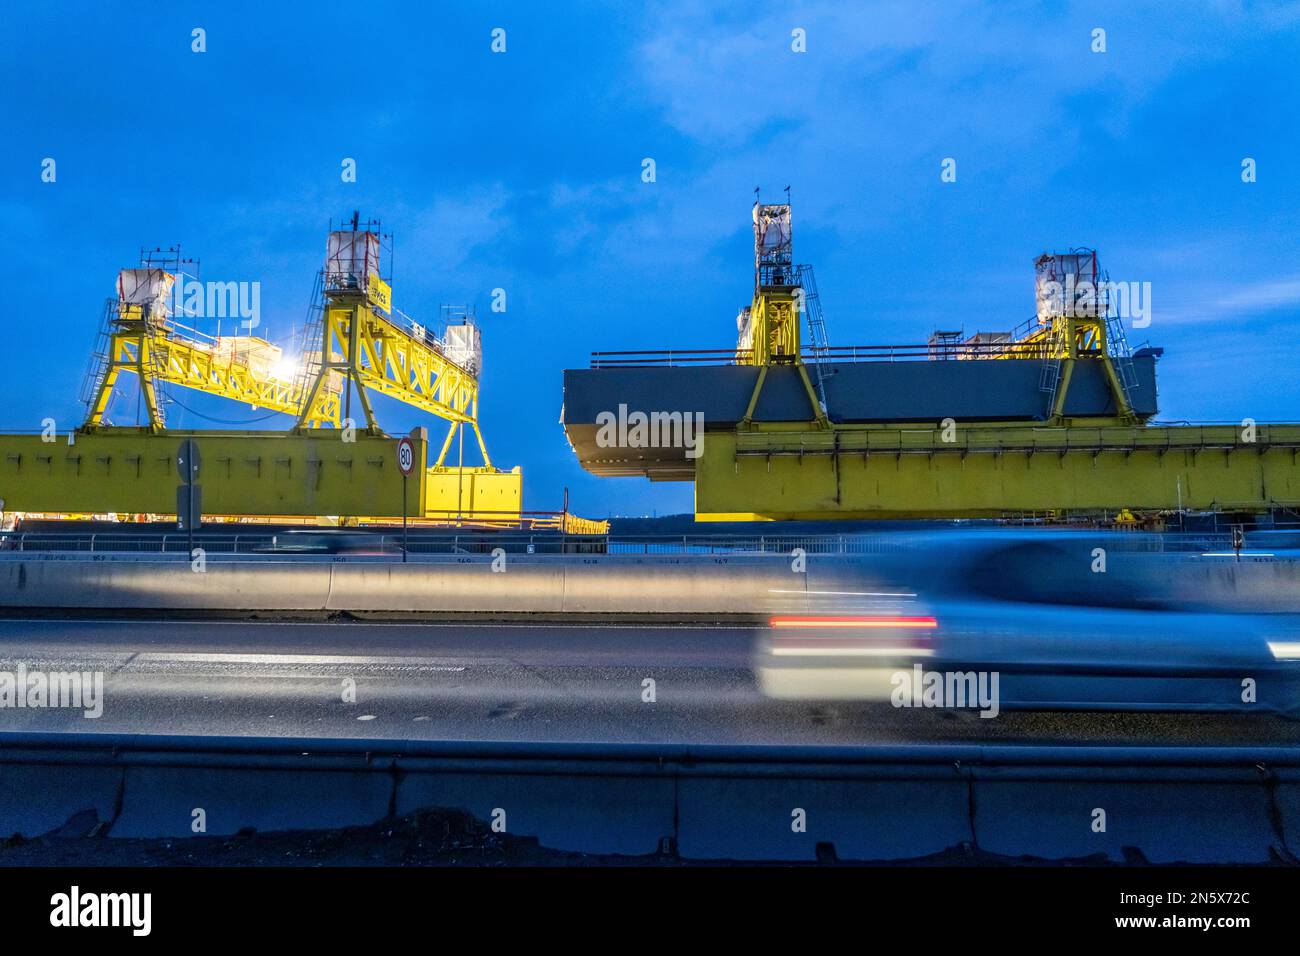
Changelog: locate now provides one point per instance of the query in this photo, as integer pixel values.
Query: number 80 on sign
(405, 457)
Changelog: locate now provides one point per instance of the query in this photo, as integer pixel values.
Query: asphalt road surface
(508, 682)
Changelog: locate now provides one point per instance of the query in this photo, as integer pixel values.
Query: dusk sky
(522, 170)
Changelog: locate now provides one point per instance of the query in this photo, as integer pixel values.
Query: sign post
(405, 464)
(189, 499)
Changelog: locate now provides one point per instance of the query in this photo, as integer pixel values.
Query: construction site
(1049, 419)
(335, 465)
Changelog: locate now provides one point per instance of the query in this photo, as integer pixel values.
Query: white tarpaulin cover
(149, 287)
(464, 346)
(351, 258)
(771, 227)
(258, 354)
(1067, 284)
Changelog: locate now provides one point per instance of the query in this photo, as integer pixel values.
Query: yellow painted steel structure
(1069, 339)
(154, 353)
(309, 474)
(821, 470)
(924, 471)
(318, 469)
(824, 470)
(776, 310)
(363, 348)
(243, 473)
(776, 315)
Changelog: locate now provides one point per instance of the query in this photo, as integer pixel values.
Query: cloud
(1217, 304)
(917, 77)
(447, 231)
(1263, 296)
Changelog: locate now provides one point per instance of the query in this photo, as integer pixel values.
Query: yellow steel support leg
(134, 352)
(748, 420)
(99, 405)
(144, 369)
(372, 424)
(1062, 388)
(353, 320)
(482, 446)
(1123, 409)
(306, 417)
(819, 416)
(446, 444)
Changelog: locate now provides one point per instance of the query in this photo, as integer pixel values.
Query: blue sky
(522, 171)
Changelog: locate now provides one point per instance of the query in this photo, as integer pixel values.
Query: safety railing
(976, 439)
(362, 541)
(831, 353)
(669, 357)
(374, 543)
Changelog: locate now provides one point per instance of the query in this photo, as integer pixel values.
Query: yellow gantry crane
(362, 347)
(769, 328)
(144, 339)
(1053, 418)
(323, 466)
(1073, 324)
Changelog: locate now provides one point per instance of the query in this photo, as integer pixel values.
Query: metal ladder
(311, 355)
(100, 360)
(97, 366)
(1049, 380)
(156, 375)
(816, 328)
(1049, 376)
(1121, 356)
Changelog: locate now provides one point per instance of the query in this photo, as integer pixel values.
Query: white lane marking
(177, 658)
(851, 652)
(64, 622)
(847, 593)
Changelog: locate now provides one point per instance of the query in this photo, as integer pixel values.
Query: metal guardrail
(106, 543)
(1031, 438)
(484, 543)
(853, 354)
(886, 542)
(998, 802)
(846, 759)
(670, 357)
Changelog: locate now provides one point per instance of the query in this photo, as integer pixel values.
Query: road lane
(507, 682)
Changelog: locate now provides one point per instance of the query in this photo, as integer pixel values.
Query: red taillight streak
(848, 622)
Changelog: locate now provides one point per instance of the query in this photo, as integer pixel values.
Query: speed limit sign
(405, 457)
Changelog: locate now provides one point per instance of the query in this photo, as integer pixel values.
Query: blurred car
(332, 542)
(1066, 621)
